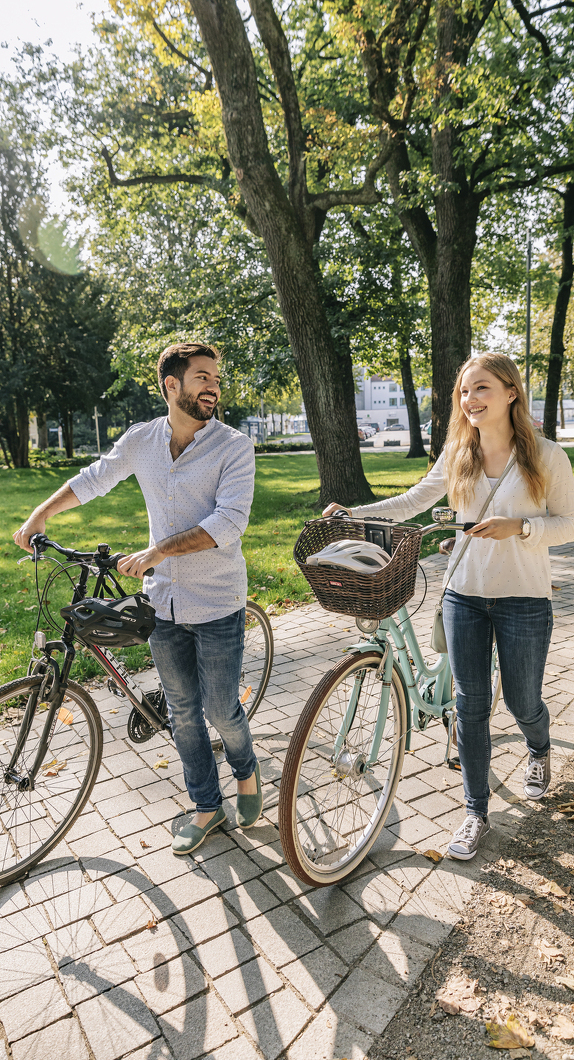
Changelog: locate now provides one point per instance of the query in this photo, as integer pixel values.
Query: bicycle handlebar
(40, 542)
(342, 513)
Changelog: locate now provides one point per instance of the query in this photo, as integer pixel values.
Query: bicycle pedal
(454, 763)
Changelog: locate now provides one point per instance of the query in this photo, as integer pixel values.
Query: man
(196, 475)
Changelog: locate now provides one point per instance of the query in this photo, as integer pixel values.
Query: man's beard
(187, 404)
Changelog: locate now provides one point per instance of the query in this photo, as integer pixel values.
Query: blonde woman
(502, 585)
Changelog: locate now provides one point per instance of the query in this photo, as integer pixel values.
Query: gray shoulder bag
(438, 639)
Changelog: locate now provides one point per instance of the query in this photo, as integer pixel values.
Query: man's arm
(61, 501)
(194, 540)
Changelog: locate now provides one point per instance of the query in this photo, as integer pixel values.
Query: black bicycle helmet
(117, 623)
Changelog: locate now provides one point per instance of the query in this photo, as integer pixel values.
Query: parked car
(367, 428)
(395, 427)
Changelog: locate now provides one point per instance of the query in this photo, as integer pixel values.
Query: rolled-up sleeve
(557, 527)
(233, 497)
(101, 477)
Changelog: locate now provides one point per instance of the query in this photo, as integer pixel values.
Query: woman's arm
(558, 526)
(407, 505)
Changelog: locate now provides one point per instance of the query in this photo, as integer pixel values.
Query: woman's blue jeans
(200, 668)
(523, 627)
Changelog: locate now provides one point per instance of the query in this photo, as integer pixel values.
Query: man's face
(198, 393)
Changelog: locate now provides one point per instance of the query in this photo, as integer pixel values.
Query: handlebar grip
(468, 526)
(341, 513)
(148, 573)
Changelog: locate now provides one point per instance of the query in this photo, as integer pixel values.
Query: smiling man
(196, 475)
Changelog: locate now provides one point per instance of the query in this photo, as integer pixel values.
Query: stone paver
(246, 961)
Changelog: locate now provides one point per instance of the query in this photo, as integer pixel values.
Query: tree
(471, 100)
(557, 346)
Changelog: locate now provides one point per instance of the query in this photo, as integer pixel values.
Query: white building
(381, 399)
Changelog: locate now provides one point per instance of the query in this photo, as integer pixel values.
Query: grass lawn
(286, 494)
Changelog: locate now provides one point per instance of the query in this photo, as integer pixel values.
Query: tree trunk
(416, 440)
(556, 358)
(324, 371)
(67, 424)
(562, 420)
(42, 430)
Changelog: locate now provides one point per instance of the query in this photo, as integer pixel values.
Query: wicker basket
(361, 595)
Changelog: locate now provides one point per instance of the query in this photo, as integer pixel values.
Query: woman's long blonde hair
(463, 457)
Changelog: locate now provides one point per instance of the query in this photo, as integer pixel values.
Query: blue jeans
(200, 668)
(523, 627)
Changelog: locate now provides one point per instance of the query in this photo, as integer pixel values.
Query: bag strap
(467, 540)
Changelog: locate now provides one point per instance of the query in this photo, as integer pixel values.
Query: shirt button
(170, 498)
(171, 524)
(174, 579)
(171, 472)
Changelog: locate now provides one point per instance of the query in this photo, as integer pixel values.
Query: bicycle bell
(443, 515)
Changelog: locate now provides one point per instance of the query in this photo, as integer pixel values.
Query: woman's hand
(498, 528)
(334, 507)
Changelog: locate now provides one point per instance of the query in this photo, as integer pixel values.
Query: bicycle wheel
(256, 666)
(332, 807)
(32, 822)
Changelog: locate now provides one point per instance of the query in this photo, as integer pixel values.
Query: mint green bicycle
(345, 757)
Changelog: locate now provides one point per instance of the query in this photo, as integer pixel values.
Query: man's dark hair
(175, 360)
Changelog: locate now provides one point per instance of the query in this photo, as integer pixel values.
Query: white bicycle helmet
(362, 556)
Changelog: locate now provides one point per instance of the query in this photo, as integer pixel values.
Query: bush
(290, 447)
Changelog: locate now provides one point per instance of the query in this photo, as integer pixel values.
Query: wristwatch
(526, 528)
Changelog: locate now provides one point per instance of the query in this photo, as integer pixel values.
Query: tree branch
(160, 178)
(553, 7)
(186, 58)
(530, 29)
(517, 185)
(277, 48)
(365, 195)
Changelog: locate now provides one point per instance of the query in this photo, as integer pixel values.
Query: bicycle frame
(46, 666)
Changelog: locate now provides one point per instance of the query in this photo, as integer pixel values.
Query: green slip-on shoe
(192, 836)
(250, 807)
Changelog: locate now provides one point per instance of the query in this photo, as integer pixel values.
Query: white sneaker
(464, 842)
(537, 777)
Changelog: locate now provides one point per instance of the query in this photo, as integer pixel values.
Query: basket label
(338, 584)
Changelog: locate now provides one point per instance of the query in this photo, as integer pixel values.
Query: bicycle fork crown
(349, 764)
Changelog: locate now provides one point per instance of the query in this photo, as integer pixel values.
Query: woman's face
(484, 398)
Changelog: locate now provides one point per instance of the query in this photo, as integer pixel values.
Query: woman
(502, 584)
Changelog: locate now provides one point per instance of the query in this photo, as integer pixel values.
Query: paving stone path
(246, 962)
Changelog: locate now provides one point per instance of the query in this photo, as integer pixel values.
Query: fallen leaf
(151, 924)
(548, 952)
(523, 899)
(53, 768)
(562, 1028)
(558, 909)
(65, 716)
(509, 1035)
(146, 846)
(565, 980)
(564, 807)
(115, 711)
(551, 887)
(31, 608)
(519, 1053)
(162, 763)
(246, 694)
(502, 899)
(459, 995)
(432, 854)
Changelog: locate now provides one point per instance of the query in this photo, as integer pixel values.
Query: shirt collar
(209, 427)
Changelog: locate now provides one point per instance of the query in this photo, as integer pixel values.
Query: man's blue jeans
(200, 668)
(523, 627)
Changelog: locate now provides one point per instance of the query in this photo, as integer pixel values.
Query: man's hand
(35, 524)
(136, 564)
(334, 507)
(498, 527)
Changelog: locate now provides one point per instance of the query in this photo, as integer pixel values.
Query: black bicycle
(51, 736)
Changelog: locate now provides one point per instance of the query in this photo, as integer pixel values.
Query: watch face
(525, 528)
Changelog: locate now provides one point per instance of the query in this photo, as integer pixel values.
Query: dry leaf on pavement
(432, 854)
(551, 887)
(523, 899)
(459, 995)
(162, 763)
(151, 924)
(562, 1028)
(509, 1035)
(516, 1053)
(565, 980)
(146, 846)
(53, 768)
(548, 952)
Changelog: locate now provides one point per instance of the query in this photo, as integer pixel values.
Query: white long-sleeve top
(516, 566)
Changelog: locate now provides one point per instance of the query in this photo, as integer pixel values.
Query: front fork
(47, 668)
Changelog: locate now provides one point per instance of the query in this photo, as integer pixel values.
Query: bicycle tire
(256, 666)
(495, 681)
(322, 840)
(32, 823)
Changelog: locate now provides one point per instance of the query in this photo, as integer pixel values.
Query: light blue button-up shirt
(209, 485)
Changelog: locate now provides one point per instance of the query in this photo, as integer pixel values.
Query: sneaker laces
(468, 830)
(535, 769)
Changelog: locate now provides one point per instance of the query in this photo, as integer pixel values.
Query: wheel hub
(350, 764)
